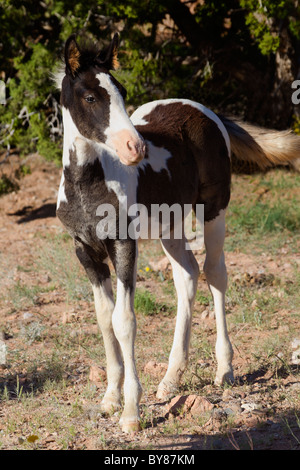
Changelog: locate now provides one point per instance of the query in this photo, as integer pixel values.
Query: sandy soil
(260, 411)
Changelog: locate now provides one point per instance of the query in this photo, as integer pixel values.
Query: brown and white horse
(170, 152)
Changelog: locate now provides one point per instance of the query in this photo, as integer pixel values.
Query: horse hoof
(110, 406)
(130, 427)
(165, 393)
(223, 378)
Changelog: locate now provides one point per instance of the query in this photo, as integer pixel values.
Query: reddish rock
(97, 375)
(184, 404)
(156, 369)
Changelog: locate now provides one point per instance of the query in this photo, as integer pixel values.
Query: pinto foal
(170, 151)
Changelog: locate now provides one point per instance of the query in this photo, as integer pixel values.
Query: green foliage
(7, 185)
(211, 16)
(263, 217)
(266, 19)
(10, 183)
(139, 75)
(155, 64)
(33, 34)
(296, 125)
(27, 110)
(145, 303)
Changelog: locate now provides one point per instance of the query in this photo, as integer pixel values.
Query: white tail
(263, 147)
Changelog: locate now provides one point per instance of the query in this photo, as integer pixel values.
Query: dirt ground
(53, 377)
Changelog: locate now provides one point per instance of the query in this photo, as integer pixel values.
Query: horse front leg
(124, 325)
(104, 306)
(99, 276)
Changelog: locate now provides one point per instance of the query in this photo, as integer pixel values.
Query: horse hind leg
(216, 276)
(185, 273)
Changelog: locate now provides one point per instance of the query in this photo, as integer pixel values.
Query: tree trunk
(281, 105)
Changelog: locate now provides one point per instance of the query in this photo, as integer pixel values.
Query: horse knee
(216, 273)
(124, 324)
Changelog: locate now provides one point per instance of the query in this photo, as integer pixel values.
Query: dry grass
(47, 320)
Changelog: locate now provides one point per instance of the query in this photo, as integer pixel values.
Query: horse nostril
(136, 149)
(131, 147)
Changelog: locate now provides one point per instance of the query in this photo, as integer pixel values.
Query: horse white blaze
(121, 133)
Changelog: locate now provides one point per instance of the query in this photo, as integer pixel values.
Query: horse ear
(72, 55)
(109, 57)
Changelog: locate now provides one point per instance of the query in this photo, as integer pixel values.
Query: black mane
(91, 54)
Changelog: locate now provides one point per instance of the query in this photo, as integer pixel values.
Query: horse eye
(89, 99)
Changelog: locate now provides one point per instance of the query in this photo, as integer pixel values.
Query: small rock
(193, 404)
(229, 411)
(156, 369)
(200, 406)
(295, 344)
(97, 375)
(296, 357)
(234, 406)
(250, 406)
(27, 315)
(204, 314)
(175, 405)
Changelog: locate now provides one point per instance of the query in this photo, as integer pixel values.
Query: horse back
(197, 170)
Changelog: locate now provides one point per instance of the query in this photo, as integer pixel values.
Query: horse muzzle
(135, 154)
(130, 148)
